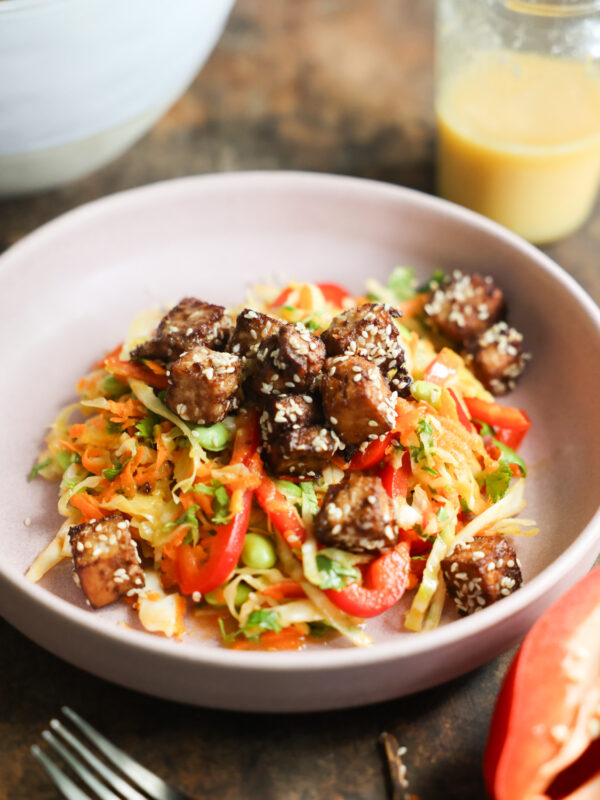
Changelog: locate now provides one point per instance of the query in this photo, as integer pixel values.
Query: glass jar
(518, 111)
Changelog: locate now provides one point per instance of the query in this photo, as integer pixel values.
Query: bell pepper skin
(193, 576)
(510, 424)
(385, 582)
(535, 710)
(373, 453)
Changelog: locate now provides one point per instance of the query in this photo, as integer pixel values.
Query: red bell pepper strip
(226, 547)
(225, 550)
(511, 424)
(544, 693)
(443, 367)
(281, 513)
(373, 453)
(385, 582)
(395, 479)
(333, 293)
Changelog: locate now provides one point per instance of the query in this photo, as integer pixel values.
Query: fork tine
(62, 782)
(142, 777)
(109, 776)
(91, 782)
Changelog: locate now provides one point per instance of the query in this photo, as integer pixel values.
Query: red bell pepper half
(385, 582)
(194, 575)
(510, 424)
(553, 683)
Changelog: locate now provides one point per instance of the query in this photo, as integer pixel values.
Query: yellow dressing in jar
(519, 141)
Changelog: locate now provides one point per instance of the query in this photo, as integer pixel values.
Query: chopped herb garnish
(497, 482)
(112, 472)
(145, 427)
(310, 504)
(334, 574)
(402, 283)
(187, 518)
(508, 456)
(259, 621)
(425, 451)
(221, 515)
(37, 467)
(113, 427)
(433, 282)
(202, 488)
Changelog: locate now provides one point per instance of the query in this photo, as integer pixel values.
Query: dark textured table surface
(328, 85)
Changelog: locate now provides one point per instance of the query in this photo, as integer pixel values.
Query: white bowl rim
(588, 539)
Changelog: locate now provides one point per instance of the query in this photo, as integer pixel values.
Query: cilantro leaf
(259, 621)
(221, 515)
(310, 504)
(425, 451)
(508, 456)
(113, 427)
(402, 283)
(187, 518)
(433, 282)
(497, 482)
(145, 427)
(39, 466)
(112, 472)
(334, 574)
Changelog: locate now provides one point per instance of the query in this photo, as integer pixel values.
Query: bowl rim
(588, 540)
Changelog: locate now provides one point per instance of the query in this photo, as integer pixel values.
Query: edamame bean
(213, 437)
(242, 592)
(258, 552)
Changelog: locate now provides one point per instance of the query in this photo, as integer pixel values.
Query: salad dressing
(519, 141)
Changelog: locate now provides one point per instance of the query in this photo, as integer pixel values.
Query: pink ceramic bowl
(67, 293)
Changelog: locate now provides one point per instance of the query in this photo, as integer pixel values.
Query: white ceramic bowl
(82, 80)
(67, 293)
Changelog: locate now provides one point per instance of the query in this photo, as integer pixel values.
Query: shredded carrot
(87, 505)
(170, 548)
(288, 639)
(126, 412)
(140, 372)
(157, 368)
(283, 589)
(126, 476)
(109, 356)
(75, 431)
(95, 460)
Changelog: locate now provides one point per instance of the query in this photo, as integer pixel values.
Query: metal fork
(153, 786)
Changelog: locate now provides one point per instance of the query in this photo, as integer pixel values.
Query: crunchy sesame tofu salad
(299, 465)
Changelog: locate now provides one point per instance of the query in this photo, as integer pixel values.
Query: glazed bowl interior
(68, 293)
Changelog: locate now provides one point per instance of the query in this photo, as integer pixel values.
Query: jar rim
(552, 8)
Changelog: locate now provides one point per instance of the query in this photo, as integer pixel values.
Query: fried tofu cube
(481, 572)
(203, 385)
(106, 560)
